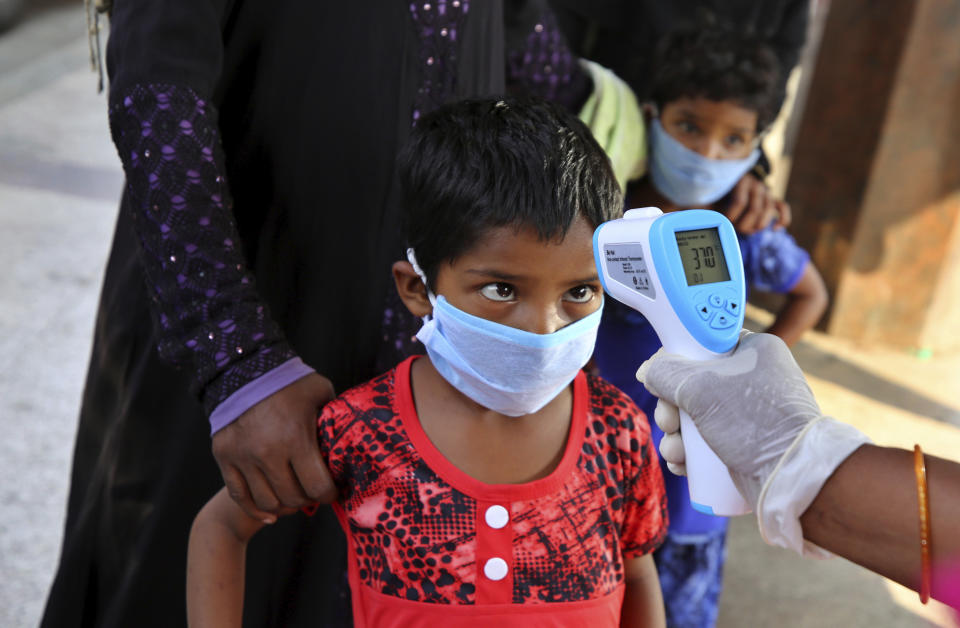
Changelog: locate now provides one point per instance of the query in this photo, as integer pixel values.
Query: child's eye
(735, 140)
(498, 291)
(687, 127)
(580, 294)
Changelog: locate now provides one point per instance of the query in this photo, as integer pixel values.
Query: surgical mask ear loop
(423, 277)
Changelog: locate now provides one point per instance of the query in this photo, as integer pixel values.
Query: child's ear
(411, 289)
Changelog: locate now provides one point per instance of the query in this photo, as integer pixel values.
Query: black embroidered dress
(254, 243)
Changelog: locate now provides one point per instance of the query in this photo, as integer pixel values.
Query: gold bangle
(920, 468)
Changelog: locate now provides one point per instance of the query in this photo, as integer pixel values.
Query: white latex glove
(756, 411)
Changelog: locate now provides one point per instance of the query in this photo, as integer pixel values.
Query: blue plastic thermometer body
(684, 273)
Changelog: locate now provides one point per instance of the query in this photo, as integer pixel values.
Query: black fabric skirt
(142, 469)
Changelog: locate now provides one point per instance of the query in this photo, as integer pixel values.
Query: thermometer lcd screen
(702, 256)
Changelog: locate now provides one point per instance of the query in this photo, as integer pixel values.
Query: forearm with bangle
(892, 511)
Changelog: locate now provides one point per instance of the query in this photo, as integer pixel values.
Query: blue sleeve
(772, 260)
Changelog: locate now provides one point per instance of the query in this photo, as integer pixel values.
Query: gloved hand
(759, 384)
(756, 411)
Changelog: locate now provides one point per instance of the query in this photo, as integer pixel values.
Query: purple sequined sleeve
(209, 314)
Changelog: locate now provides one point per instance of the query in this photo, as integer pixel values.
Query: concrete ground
(59, 183)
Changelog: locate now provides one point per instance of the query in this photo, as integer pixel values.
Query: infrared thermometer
(684, 273)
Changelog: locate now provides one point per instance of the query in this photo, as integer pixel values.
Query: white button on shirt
(495, 569)
(496, 517)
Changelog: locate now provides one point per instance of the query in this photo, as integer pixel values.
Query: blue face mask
(507, 370)
(688, 178)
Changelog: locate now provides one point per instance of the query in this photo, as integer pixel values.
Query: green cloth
(615, 118)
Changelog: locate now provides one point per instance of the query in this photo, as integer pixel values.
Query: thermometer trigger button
(716, 300)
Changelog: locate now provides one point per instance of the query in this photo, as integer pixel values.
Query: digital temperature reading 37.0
(702, 256)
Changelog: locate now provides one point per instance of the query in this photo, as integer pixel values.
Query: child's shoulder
(772, 259)
(770, 243)
(370, 396)
(606, 395)
(615, 408)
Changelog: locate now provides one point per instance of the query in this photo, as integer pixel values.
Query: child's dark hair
(718, 62)
(480, 164)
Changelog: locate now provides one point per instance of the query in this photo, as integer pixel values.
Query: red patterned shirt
(430, 544)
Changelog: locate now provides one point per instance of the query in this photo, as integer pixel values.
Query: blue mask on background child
(688, 178)
(507, 370)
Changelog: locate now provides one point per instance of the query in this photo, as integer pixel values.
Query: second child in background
(715, 91)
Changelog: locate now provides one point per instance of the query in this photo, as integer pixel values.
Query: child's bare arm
(642, 600)
(215, 563)
(805, 305)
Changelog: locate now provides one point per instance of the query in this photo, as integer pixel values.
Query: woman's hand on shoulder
(269, 456)
(751, 206)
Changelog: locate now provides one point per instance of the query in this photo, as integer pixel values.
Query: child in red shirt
(491, 481)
